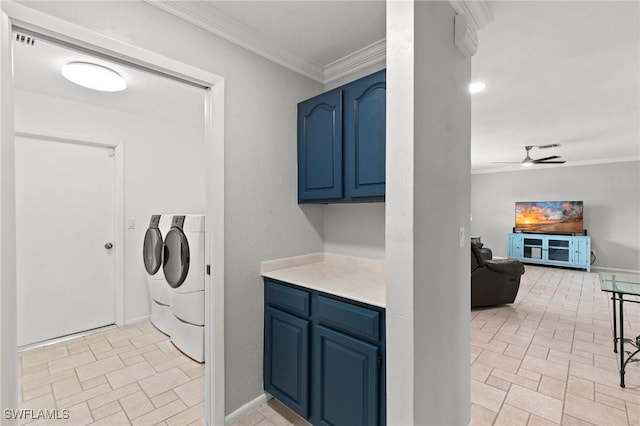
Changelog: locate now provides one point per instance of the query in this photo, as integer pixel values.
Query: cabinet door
(533, 248)
(286, 358)
(346, 380)
(364, 137)
(558, 250)
(514, 250)
(320, 147)
(582, 252)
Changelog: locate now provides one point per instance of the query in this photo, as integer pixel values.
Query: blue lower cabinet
(286, 358)
(345, 378)
(324, 356)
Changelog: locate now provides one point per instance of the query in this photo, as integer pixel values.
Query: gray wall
(611, 195)
(355, 229)
(441, 207)
(260, 164)
(428, 192)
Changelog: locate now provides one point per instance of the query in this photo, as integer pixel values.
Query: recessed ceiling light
(93, 76)
(477, 87)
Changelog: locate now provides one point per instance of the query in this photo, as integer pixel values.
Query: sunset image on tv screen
(549, 216)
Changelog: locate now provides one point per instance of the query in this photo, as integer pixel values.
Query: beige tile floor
(272, 413)
(126, 376)
(547, 359)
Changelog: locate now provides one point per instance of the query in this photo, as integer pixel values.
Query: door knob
(108, 246)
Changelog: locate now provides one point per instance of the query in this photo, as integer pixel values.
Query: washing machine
(152, 255)
(183, 267)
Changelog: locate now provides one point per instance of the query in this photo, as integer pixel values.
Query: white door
(65, 208)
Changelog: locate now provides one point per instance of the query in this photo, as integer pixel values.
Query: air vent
(25, 39)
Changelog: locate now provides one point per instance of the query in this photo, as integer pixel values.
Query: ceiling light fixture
(477, 87)
(93, 76)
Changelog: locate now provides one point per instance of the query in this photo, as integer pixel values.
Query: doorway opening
(213, 148)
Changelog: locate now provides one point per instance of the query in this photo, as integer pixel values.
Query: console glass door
(559, 250)
(532, 248)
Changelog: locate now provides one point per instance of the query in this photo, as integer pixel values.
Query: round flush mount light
(477, 87)
(93, 76)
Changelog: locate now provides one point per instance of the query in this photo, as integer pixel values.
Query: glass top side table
(619, 285)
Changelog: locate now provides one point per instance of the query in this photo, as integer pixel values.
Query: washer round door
(176, 257)
(152, 250)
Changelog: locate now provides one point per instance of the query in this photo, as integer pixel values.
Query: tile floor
(547, 359)
(272, 413)
(126, 376)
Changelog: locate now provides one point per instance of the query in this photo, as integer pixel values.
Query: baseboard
(608, 269)
(247, 408)
(65, 338)
(136, 320)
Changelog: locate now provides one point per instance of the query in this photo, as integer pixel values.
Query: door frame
(16, 15)
(119, 237)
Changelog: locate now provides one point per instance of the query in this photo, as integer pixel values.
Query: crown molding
(471, 17)
(477, 11)
(370, 55)
(465, 38)
(205, 16)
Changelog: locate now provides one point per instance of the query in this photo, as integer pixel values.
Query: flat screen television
(549, 217)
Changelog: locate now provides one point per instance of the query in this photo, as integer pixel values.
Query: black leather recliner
(493, 282)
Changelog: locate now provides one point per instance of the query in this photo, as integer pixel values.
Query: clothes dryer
(183, 267)
(152, 256)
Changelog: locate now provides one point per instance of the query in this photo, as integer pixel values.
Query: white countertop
(355, 278)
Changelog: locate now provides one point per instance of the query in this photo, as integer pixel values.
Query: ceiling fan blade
(553, 157)
(549, 162)
(552, 145)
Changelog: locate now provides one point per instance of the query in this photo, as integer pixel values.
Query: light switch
(462, 237)
(131, 224)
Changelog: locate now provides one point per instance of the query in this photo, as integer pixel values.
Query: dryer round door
(152, 250)
(176, 257)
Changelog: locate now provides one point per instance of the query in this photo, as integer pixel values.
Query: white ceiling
(37, 69)
(556, 72)
(321, 31)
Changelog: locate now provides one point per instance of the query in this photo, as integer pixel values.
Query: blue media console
(549, 249)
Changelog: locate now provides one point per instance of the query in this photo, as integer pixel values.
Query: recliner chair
(493, 282)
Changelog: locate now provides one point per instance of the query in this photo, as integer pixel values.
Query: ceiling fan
(528, 161)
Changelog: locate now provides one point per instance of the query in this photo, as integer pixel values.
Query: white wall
(260, 164)
(355, 229)
(442, 192)
(163, 167)
(611, 195)
(428, 192)
(8, 356)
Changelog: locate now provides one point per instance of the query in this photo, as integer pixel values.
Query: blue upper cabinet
(320, 148)
(364, 137)
(341, 143)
